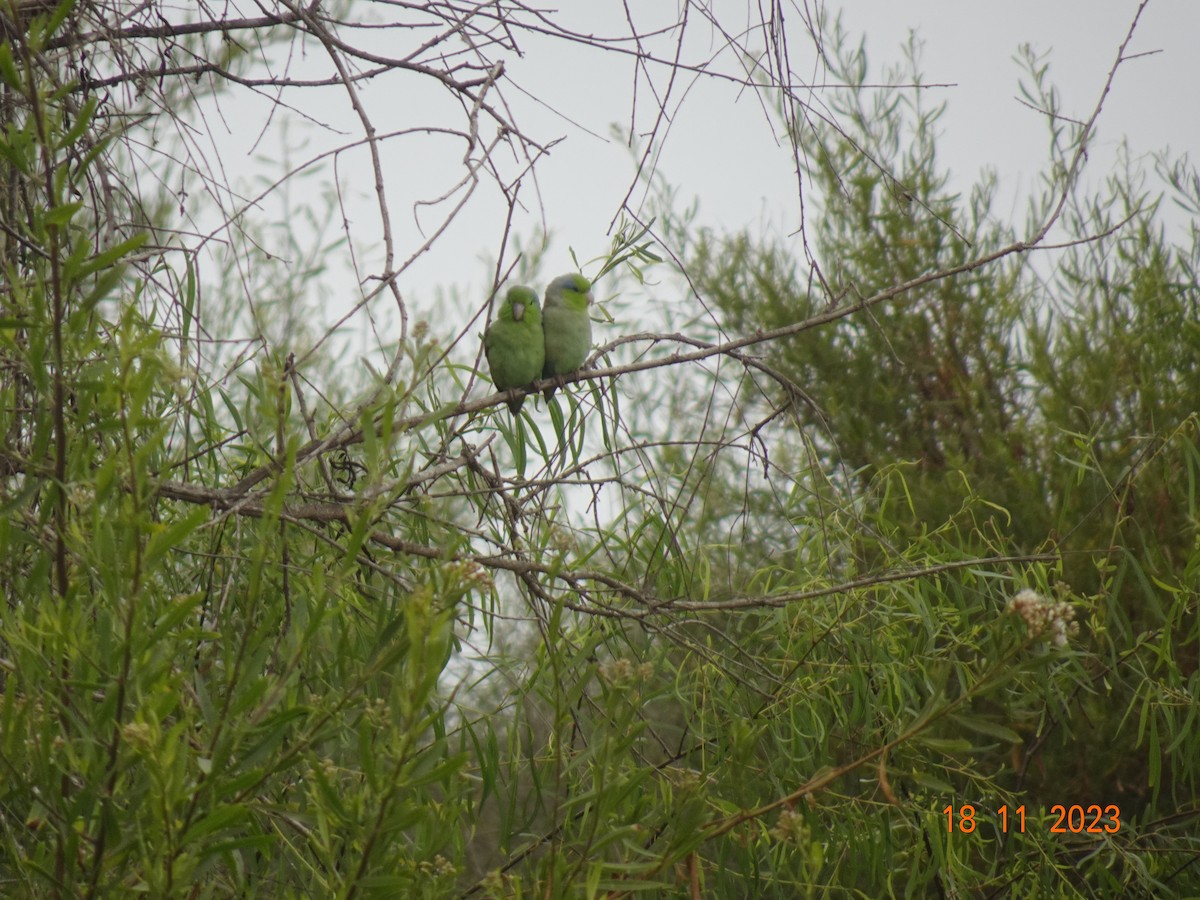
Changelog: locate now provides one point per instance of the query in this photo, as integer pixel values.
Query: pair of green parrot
(526, 342)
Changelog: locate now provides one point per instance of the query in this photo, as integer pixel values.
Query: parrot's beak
(518, 311)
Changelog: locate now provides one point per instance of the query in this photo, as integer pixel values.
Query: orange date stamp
(1063, 819)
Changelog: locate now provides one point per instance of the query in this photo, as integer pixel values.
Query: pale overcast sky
(969, 45)
(721, 148)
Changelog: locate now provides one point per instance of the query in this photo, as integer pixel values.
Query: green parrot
(567, 326)
(513, 343)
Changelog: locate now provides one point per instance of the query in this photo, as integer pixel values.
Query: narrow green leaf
(62, 215)
(8, 68)
(112, 255)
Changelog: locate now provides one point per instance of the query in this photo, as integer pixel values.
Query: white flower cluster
(1045, 617)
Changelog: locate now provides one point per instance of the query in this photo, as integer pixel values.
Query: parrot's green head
(573, 291)
(521, 305)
